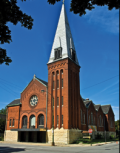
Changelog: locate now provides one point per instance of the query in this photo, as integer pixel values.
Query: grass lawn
(87, 141)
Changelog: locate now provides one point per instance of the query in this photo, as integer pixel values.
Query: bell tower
(63, 78)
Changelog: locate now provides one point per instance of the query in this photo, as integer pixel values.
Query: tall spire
(63, 39)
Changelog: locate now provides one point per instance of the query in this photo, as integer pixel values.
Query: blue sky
(96, 39)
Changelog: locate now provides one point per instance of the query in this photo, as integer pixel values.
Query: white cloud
(108, 20)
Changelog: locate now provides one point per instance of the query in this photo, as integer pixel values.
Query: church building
(58, 101)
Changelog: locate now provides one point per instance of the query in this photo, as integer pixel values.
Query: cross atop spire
(63, 1)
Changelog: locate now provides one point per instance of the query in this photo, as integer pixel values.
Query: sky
(96, 40)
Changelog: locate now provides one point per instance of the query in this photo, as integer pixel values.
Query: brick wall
(100, 127)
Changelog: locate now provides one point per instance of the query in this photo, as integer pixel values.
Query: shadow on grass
(10, 149)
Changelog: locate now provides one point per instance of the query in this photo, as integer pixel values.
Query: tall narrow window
(62, 82)
(10, 123)
(53, 101)
(62, 71)
(57, 119)
(62, 100)
(32, 121)
(53, 85)
(57, 72)
(57, 101)
(13, 122)
(57, 83)
(24, 122)
(41, 120)
(81, 116)
(62, 119)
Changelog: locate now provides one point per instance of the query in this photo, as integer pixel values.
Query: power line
(11, 83)
(10, 88)
(100, 82)
(8, 91)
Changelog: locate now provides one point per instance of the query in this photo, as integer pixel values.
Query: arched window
(13, 122)
(91, 118)
(10, 123)
(41, 120)
(32, 121)
(24, 122)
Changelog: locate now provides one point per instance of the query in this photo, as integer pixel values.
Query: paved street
(23, 148)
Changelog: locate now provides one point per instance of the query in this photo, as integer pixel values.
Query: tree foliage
(2, 125)
(3, 111)
(10, 12)
(117, 127)
(80, 6)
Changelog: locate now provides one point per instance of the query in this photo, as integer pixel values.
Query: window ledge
(57, 106)
(57, 88)
(62, 105)
(53, 89)
(62, 87)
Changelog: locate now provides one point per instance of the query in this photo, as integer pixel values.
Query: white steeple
(63, 40)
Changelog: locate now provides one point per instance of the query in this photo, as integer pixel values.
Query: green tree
(117, 127)
(3, 111)
(2, 125)
(10, 12)
(80, 6)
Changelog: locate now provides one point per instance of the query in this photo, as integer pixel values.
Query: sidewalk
(60, 145)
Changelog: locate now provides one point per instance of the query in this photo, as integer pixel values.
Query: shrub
(1, 138)
(98, 136)
(111, 136)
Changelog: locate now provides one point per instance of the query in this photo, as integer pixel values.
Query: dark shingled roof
(97, 107)
(44, 82)
(14, 102)
(87, 103)
(105, 108)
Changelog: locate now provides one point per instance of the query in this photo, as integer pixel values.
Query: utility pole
(53, 122)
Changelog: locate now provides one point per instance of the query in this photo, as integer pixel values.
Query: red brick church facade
(30, 117)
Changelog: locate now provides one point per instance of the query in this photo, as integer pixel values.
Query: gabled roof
(63, 39)
(41, 81)
(14, 103)
(97, 106)
(106, 108)
(87, 103)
